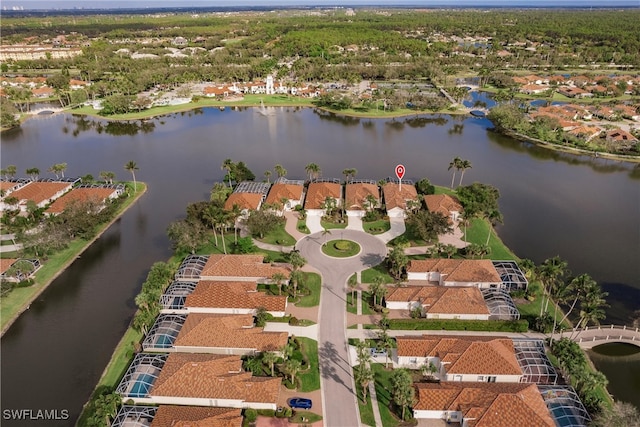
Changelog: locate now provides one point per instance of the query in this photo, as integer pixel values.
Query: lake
(581, 208)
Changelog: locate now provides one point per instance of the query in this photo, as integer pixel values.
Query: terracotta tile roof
(396, 198)
(458, 270)
(250, 201)
(249, 266)
(491, 404)
(97, 195)
(224, 294)
(40, 191)
(209, 376)
(442, 299)
(7, 185)
(442, 203)
(230, 331)
(287, 191)
(5, 264)
(620, 135)
(319, 191)
(42, 91)
(468, 355)
(356, 195)
(194, 416)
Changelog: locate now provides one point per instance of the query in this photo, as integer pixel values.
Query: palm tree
(454, 165)
(107, 176)
(279, 279)
(11, 171)
(363, 376)
(313, 170)
(228, 166)
(464, 165)
(494, 217)
(593, 305)
(270, 359)
(253, 365)
(372, 202)
(349, 173)
(579, 287)
(325, 232)
(221, 223)
(267, 174)
(292, 367)
(234, 214)
(550, 272)
(353, 284)
(33, 173)
(211, 215)
(280, 171)
(132, 167)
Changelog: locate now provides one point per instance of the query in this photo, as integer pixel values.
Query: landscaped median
(12, 305)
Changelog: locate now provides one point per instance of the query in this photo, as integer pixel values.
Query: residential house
(621, 138)
(41, 193)
(461, 358)
(533, 89)
(97, 196)
(398, 198)
(286, 193)
(480, 273)
(176, 416)
(248, 196)
(198, 380)
(211, 333)
(573, 92)
(216, 91)
(241, 268)
(317, 195)
(482, 404)
(358, 196)
(586, 132)
(43, 92)
(448, 206)
(440, 302)
(179, 41)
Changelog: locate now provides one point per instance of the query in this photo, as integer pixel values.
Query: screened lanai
(252, 187)
(191, 267)
(141, 375)
(535, 365)
(565, 406)
(512, 277)
(134, 416)
(176, 295)
(500, 304)
(164, 332)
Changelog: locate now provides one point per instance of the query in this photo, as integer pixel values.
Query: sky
(103, 4)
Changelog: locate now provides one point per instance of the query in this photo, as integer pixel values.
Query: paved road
(338, 389)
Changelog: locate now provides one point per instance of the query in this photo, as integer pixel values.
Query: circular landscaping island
(341, 248)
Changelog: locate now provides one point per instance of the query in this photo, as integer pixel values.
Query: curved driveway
(338, 389)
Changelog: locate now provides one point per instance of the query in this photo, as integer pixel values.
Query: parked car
(375, 352)
(300, 403)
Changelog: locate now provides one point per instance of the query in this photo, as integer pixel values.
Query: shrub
(293, 321)
(250, 414)
(342, 245)
(460, 325)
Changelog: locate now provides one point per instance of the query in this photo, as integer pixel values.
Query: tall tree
(279, 279)
(267, 174)
(132, 167)
(280, 171)
(33, 173)
(349, 173)
(454, 165)
(397, 261)
(463, 166)
(270, 359)
(353, 284)
(313, 170)
(402, 389)
(228, 166)
(551, 272)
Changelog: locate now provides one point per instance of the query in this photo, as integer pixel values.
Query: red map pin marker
(400, 171)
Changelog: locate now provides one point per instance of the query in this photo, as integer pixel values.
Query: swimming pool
(164, 341)
(142, 386)
(564, 416)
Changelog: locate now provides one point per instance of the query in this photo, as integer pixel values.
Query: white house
(455, 272)
(397, 198)
(317, 195)
(358, 196)
(461, 358)
(291, 192)
(440, 302)
(448, 206)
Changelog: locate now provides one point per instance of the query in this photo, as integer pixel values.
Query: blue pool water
(142, 386)
(164, 341)
(564, 417)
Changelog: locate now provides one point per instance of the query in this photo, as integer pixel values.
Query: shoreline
(25, 306)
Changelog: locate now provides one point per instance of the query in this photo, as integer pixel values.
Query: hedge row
(460, 325)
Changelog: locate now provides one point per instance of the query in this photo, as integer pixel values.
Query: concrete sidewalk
(397, 229)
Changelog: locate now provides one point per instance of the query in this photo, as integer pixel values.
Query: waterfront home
(361, 197)
(198, 380)
(26, 270)
(461, 358)
(398, 199)
(480, 273)
(573, 92)
(248, 196)
(621, 137)
(95, 195)
(318, 193)
(231, 297)
(241, 268)
(439, 302)
(40, 193)
(287, 194)
(211, 333)
(482, 404)
(448, 206)
(176, 416)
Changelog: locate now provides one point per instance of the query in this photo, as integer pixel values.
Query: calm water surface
(584, 209)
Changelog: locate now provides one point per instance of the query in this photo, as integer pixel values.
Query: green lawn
(314, 284)
(279, 237)
(301, 226)
(478, 231)
(531, 309)
(19, 298)
(369, 274)
(377, 227)
(366, 410)
(332, 225)
(333, 248)
(366, 308)
(383, 392)
(310, 380)
(305, 418)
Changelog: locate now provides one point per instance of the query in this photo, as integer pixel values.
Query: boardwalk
(592, 336)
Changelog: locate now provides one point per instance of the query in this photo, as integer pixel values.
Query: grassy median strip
(310, 380)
